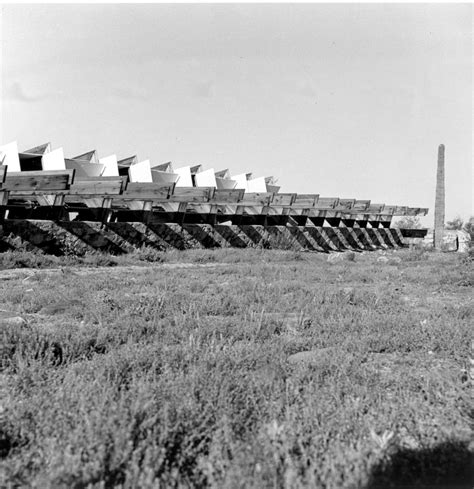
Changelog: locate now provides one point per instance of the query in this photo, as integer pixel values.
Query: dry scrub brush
(167, 377)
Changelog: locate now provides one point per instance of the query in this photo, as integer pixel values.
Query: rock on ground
(338, 257)
(316, 357)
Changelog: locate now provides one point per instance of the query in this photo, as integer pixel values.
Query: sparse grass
(174, 376)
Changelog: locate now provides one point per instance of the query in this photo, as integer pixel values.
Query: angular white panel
(84, 168)
(164, 177)
(39, 150)
(9, 155)
(140, 172)
(90, 156)
(53, 160)
(225, 183)
(111, 168)
(206, 178)
(126, 162)
(257, 185)
(223, 173)
(185, 179)
(271, 185)
(163, 167)
(242, 181)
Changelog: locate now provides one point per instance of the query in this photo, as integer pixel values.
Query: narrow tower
(439, 202)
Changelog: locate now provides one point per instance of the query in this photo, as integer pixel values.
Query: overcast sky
(344, 100)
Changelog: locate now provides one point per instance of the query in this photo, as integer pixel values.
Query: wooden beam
(256, 198)
(416, 211)
(3, 174)
(345, 204)
(361, 205)
(283, 199)
(375, 208)
(4, 195)
(306, 200)
(388, 210)
(225, 196)
(147, 191)
(39, 180)
(192, 194)
(101, 186)
(326, 203)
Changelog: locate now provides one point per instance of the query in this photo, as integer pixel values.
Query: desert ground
(236, 369)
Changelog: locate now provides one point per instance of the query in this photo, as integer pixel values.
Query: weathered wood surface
(227, 196)
(388, 210)
(306, 200)
(326, 203)
(256, 198)
(361, 205)
(41, 186)
(192, 194)
(148, 191)
(3, 174)
(345, 204)
(375, 208)
(97, 186)
(39, 180)
(283, 199)
(415, 211)
(40, 197)
(4, 196)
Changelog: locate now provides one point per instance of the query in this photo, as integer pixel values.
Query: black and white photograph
(236, 245)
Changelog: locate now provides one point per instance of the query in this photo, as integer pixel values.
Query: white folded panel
(90, 156)
(140, 172)
(257, 185)
(185, 179)
(84, 168)
(223, 173)
(168, 167)
(111, 167)
(164, 177)
(206, 178)
(225, 183)
(53, 160)
(39, 150)
(242, 180)
(9, 156)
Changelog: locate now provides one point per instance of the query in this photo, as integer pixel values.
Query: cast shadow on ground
(445, 466)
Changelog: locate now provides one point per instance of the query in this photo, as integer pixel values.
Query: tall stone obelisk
(439, 202)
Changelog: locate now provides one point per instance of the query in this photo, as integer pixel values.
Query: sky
(343, 100)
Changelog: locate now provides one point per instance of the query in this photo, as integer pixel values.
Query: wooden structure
(72, 195)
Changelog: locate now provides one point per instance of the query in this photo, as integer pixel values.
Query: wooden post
(439, 202)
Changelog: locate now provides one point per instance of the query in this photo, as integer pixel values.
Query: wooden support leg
(107, 212)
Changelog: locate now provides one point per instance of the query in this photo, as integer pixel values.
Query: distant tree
(469, 227)
(408, 222)
(455, 224)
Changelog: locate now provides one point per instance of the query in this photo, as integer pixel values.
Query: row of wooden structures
(40, 183)
(61, 194)
(71, 205)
